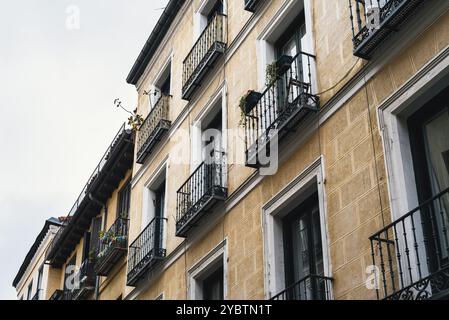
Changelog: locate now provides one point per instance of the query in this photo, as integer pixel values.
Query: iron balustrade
(411, 254)
(285, 101)
(374, 20)
(153, 127)
(205, 186)
(85, 191)
(312, 287)
(251, 5)
(146, 250)
(113, 245)
(84, 281)
(210, 44)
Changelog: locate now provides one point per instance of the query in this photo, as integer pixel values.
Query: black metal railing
(85, 191)
(146, 250)
(287, 99)
(374, 20)
(411, 254)
(198, 193)
(57, 295)
(84, 281)
(251, 5)
(37, 295)
(113, 245)
(153, 127)
(211, 43)
(312, 287)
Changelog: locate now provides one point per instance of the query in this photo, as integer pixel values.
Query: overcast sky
(58, 81)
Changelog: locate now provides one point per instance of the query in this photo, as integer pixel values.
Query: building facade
(291, 149)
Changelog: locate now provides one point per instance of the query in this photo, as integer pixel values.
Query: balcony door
(429, 129)
(304, 252)
(291, 44)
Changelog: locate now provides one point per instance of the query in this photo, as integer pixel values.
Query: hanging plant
(272, 74)
(247, 102)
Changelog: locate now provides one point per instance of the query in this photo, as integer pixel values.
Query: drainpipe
(103, 226)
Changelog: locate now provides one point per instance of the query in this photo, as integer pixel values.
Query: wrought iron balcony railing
(412, 253)
(311, 287)
(146, 250)
(210, 45)
(375, 20)
(38, 295)
(85, 278)
(251, 5)
(151, 131)
(113, 246)
(286, 101)
(200, 192)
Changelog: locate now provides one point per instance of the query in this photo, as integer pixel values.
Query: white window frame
(197, 143)
(148, 210)
(310, 180)
(202, 269)
(200, 17)
(265, 46)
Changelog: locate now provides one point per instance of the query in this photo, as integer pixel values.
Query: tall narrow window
(124, 199)
(429, 129)
(213, 285)
(217, 8)
(40, 276)
(303, 251)
(30, 289)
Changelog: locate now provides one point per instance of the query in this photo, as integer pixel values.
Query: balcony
(86, 285)
(210, 45)
(286, 102)
(251, 5)
(412, 253)
(311, 287)
(373, 21)
(154, 127)
(202, 190)
(146, 251)
(113, 246)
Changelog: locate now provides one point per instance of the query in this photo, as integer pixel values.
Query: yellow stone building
(291, 149)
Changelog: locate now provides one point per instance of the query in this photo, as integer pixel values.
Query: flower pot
(251, 101)
(283, 64)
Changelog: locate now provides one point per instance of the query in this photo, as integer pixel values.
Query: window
(303, 250)
(213, 285)
(40, 275)
(30, 290)
(429, 132)
(207, 133)
(295, 240)
(207, 279)
(206, 13)
(162, 85)
(155, 199)
(124, 199)
(288, 33)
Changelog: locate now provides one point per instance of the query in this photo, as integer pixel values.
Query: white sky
(57, 88)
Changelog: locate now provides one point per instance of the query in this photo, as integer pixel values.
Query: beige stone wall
(356, 186)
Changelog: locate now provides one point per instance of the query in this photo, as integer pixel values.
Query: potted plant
(249, 101)
(283, 63)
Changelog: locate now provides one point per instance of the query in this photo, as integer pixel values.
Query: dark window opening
(124, 199)
(303, 249)
(218, 8)
(213, 285)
